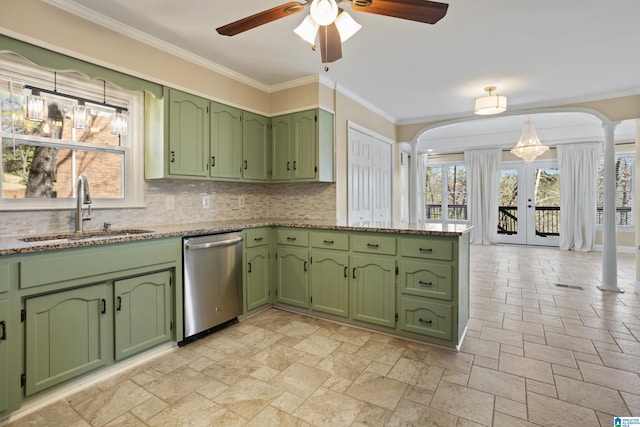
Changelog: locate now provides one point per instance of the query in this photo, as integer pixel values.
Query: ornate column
(609, 261)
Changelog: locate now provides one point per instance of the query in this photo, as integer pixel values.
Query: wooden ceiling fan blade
(330, 44)
(428, 12)
(261, 18)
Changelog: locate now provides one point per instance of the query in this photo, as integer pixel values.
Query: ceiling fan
(332, 25)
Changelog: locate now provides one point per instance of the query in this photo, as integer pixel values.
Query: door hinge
(23, 380)
(396, 317)
(23, 315)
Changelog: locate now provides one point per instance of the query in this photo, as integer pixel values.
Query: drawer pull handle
(213, 161)
(425, 321)
(118, 304)
(3, 325)
(104, 306)
(328, 242)
(425, 250)
(249, 269)
(258, 239)
(292, 239)
(346, 271)
(288, 166)
(425, 283)
(245, 165)
(373, 245)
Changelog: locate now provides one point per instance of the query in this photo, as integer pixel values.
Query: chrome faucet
(83, 197)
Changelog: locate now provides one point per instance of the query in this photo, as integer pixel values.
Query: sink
(68, 237)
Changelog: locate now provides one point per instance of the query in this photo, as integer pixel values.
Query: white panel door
(360, 160)
(381, 190)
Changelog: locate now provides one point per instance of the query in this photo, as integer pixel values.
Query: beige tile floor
(535, 354)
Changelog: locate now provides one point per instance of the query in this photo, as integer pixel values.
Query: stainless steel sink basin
(98, 234)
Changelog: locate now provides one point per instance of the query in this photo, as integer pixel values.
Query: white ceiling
(538, 53)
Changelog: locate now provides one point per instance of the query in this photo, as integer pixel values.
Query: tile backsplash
(181, 201)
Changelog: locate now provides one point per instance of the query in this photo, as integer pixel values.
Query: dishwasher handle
(213, 244)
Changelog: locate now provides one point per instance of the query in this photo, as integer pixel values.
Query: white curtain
(483, 180)
(578, 165)
(421, 214)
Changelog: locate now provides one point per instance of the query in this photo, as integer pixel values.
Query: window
(446, 202)
(625, 172)
(41, 160)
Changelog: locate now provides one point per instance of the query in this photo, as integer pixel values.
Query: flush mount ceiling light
(333, 26)
(490, 104)
(529, 146)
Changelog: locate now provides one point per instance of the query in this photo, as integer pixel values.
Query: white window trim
(627, 228)
(445, 194)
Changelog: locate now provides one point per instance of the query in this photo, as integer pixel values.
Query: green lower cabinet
(429, 318)
(292, 276)
(142, 313)
(67, 335)
(374, 289)
(4, 357)
(256, 277)
(329, 282)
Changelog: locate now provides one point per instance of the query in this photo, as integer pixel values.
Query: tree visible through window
(446, 202)
(624, 173)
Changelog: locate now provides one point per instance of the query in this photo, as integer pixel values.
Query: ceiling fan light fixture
(490, 104)
(324, 12)
(347, 26)
(529, 146)
(307, 30)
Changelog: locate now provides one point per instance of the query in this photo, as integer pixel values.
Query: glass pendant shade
(307, 30)
(346, 26)
(529, 146)
(120, 123)
(324, 12)
(35, 108)
(490, 104)
(80, 116)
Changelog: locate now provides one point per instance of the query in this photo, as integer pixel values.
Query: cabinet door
(374, 289)
(329, 282)
(256, 147)
(188, 134)
(142, 313)
(67, 335)
(4, 358)
(303, 146)
(256, 277)
(281, 143)
(226, 141)
(292, 280)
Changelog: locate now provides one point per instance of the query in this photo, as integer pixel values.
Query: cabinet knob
(420, 282)
(288, 166)
(249, 269)
(346, 271)
(373, 245)
(173, 157)
(213, 161)
(428, 322)
(104, 306)
(118, 303)
(3, 328)
(425, 250)
(245, 165)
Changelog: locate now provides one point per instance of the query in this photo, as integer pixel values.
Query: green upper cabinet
(225, 153)
(302, 146)
(256, 147)
(4, 358)
(142, 313)
(188, 130)
(67, 334)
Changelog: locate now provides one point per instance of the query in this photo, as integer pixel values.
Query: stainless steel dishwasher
(212, 282)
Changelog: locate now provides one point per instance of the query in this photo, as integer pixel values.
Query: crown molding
(355, 97)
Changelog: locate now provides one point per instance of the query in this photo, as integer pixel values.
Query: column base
(604, 288)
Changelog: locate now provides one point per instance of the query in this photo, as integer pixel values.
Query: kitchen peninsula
(405, 280)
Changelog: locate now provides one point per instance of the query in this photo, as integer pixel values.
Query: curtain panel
(483, 180)
(421, 210)
(578, 164)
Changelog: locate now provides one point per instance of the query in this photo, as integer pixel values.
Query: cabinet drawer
(427, 248)
(426, 279)
(4, 278)
(256, 237)
(289, 236)
(374, 244)
(426, 318)
(330, 240)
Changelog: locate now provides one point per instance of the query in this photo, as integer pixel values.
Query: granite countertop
(10, 245)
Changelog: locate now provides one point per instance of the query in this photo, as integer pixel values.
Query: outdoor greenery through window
(624, 171)
(41, 159)
(446, 192)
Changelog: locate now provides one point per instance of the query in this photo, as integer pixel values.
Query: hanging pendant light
(80, 116)
(120, 123)
(490, 104)
(35, 107)
(529, 146)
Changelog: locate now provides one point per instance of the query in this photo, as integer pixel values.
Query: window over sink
(81, 132)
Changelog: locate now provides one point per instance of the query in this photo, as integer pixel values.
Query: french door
(529, 203)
